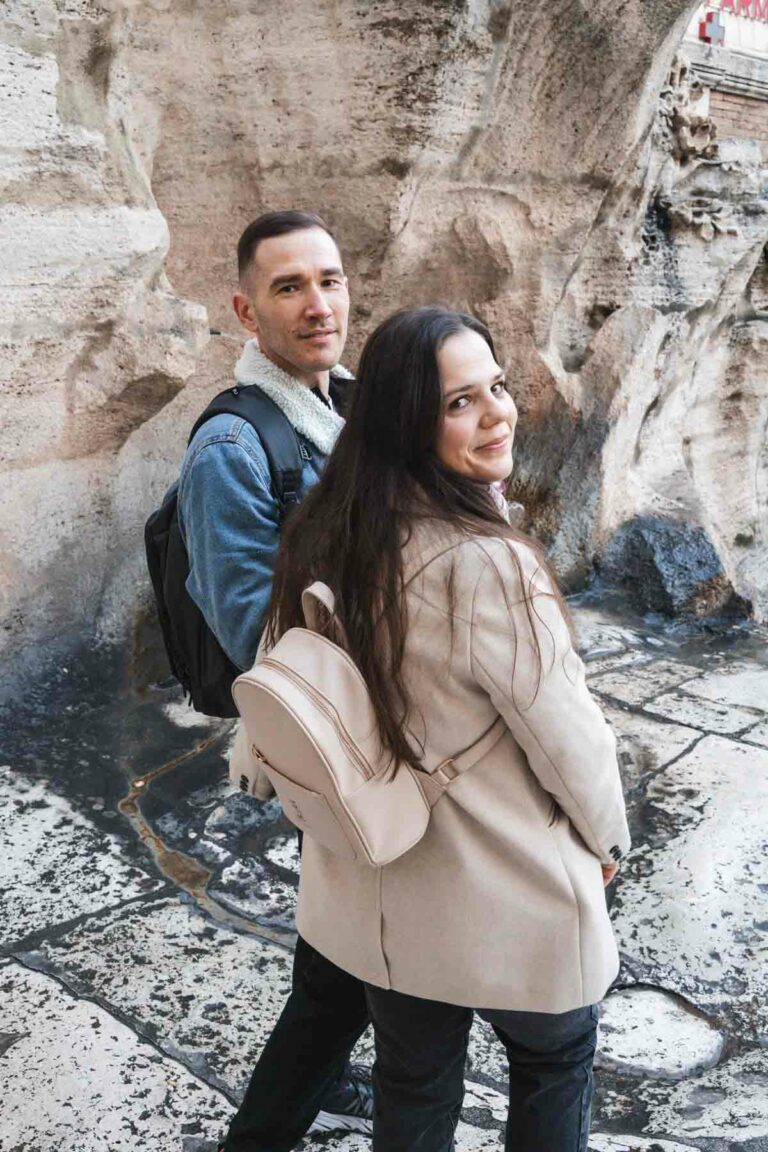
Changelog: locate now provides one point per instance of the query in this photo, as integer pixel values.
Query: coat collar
(307, 414)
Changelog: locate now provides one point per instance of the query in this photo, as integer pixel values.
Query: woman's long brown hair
(382, 477)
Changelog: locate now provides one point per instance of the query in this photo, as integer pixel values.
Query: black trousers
(306, 1055)
(418, 1077)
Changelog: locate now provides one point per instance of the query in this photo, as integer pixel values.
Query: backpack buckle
(446, 772)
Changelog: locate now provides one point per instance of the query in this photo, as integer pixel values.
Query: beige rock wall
(94, 341)
(526, 161)
(659, 322)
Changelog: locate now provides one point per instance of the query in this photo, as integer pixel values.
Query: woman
(452, 617)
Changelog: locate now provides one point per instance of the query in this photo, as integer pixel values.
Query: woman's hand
(609, 871)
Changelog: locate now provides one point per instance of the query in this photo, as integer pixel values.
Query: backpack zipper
(327, 710)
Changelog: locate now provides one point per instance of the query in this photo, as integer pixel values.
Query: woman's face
(479, 416)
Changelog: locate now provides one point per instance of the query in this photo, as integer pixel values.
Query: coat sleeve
(242, 763)
(546, 703)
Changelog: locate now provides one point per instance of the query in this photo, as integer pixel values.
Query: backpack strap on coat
(434, 784)
(277, 434)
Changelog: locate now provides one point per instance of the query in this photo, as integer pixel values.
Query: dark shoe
(348, 1108)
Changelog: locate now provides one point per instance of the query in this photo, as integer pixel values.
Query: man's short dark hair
(274, 224)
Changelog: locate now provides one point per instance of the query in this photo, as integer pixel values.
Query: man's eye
(286, 288)
(331, 283)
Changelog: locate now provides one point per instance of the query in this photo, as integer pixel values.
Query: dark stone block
(671, 568)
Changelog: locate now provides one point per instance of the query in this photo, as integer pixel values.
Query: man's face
(295, 301)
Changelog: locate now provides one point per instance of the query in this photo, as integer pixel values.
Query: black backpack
(197, 660)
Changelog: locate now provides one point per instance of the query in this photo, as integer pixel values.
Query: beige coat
(501, 905)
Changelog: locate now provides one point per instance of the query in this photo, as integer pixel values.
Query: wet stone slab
(602, 1143)
(203, 994)
(283, 851)
(640, 681)
(742, 685)
(77, 1080)
(229, 834)
(690, 914)
(250, 890)
(646, 1032)
(757, 735)
(183, 715)
(55, 865)
(728, 1103)
(708, 715)
(604, 632)
(646, 745)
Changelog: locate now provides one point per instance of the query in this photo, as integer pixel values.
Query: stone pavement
(147, 912)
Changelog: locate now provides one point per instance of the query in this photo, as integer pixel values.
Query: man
(293, 298)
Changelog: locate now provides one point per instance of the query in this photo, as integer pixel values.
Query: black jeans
(418, 1077)
(323, 1018)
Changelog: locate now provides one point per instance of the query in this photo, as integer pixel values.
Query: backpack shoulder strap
(275, 431)
(319, 594)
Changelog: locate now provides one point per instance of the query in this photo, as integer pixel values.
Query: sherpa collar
(306, 413)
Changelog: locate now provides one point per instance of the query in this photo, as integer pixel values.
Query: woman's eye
(500, 386)
(459, 403)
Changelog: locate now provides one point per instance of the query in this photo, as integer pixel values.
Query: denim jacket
(230, 524)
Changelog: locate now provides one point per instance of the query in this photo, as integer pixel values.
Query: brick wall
(740, 116)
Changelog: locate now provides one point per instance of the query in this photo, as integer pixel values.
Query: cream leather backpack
(311, 725)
